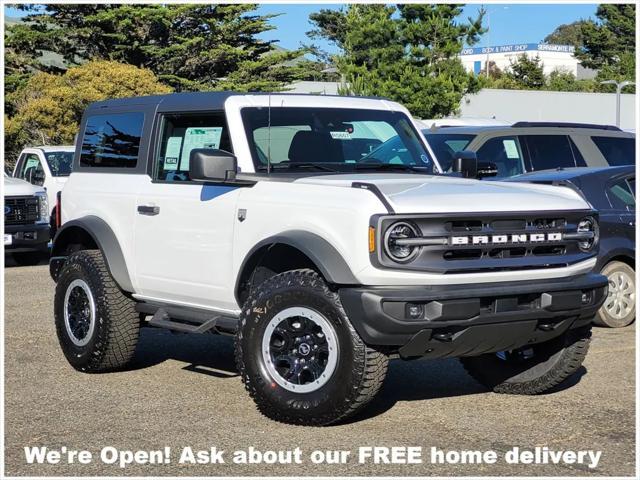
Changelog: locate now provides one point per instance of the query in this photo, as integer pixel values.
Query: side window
(112, 141)
(505, 152)
(550, 151)
(616, 150)
(31, 169)
(621, 194)
(181, 133)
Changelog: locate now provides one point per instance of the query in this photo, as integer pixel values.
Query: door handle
(148, 210)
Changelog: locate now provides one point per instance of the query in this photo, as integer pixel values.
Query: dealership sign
(519, 47)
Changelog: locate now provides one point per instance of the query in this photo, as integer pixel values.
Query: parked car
(533, 146)
(47, 167)
(461, 122)
(26, 221)
(611, 190)
(266, 217)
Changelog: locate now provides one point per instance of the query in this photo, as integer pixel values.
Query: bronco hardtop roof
(196, 100)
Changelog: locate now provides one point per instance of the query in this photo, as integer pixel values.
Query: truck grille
(489, 241)
(20, 210)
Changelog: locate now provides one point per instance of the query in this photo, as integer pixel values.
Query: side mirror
(465, 163)
(487, 169)
(212, 165)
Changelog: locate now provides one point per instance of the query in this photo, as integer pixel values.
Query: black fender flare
(329, 261)
(103, 236)
(614, 253)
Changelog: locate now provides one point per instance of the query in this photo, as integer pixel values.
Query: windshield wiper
(300, 165)
(392, 166)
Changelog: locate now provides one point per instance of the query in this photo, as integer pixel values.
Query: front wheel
(532, 369)
(299, 356)
(619, 308)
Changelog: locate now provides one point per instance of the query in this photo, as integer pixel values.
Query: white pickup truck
(26, 221)
(47, 167)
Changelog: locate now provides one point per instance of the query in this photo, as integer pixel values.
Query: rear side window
(112, 141)
(616, 150)
(551, 151)
(622, 195)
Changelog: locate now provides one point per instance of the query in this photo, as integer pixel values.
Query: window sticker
(172, 153)
(511, 148)
(340, 135)
(199, 137)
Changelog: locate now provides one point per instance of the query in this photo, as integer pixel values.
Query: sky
(509, 23)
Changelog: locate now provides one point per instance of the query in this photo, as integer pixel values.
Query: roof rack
(566, 125)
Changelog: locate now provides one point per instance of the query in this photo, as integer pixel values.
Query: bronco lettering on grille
(518, 238)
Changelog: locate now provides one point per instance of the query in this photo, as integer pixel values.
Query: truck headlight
(588, 225)
(394, 241)
(43, 207)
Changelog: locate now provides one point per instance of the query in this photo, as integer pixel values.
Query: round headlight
(588, 224)
(395, 248)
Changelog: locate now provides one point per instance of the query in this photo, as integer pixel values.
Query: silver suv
(533, 146)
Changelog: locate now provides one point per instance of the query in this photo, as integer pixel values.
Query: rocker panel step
(188, 320)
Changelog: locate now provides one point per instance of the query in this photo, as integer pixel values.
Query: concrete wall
(516, 105)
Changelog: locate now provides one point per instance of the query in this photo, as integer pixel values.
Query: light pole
(619, 87)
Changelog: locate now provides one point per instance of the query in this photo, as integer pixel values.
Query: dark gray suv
(533, 146)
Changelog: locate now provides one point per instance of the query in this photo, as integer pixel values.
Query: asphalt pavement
(184, 391)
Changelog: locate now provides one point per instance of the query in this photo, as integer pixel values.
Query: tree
(609, 45)
(407, 52)
(527, 72)
(49, 108)
(190, 47)
(567, 34)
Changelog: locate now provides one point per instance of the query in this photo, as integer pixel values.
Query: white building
(554, 57)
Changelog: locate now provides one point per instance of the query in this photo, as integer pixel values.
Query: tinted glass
(444, 145)
(506, 153)
(31, 169)
(333, 139)
(181, 133)
(617, 151)
(112, 140)
(549, 151)
(621, 195)
(59, 163)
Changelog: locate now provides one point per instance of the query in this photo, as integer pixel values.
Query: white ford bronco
(279, 219)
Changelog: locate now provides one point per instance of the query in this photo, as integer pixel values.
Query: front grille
(488, 242)
(20, 210)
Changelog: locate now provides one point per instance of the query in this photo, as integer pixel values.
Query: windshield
(334, 140)
(445, 145)
(59, 163)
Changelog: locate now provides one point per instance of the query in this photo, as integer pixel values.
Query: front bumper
(28, 238)
(464, 320)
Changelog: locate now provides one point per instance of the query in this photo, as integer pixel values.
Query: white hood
(408, 193)
(16, 187)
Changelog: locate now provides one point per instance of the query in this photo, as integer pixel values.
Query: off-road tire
(553, 362)
(603, 318)
(26, 259)
(359, 372)
(117, 324)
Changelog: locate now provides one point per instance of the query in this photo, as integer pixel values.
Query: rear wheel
(299, 356)
(619, 308)
(96, 323)
(531, 369)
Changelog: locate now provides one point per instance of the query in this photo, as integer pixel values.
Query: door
(551, 151)
(31, 169)
(621, 195)
(184, 229)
